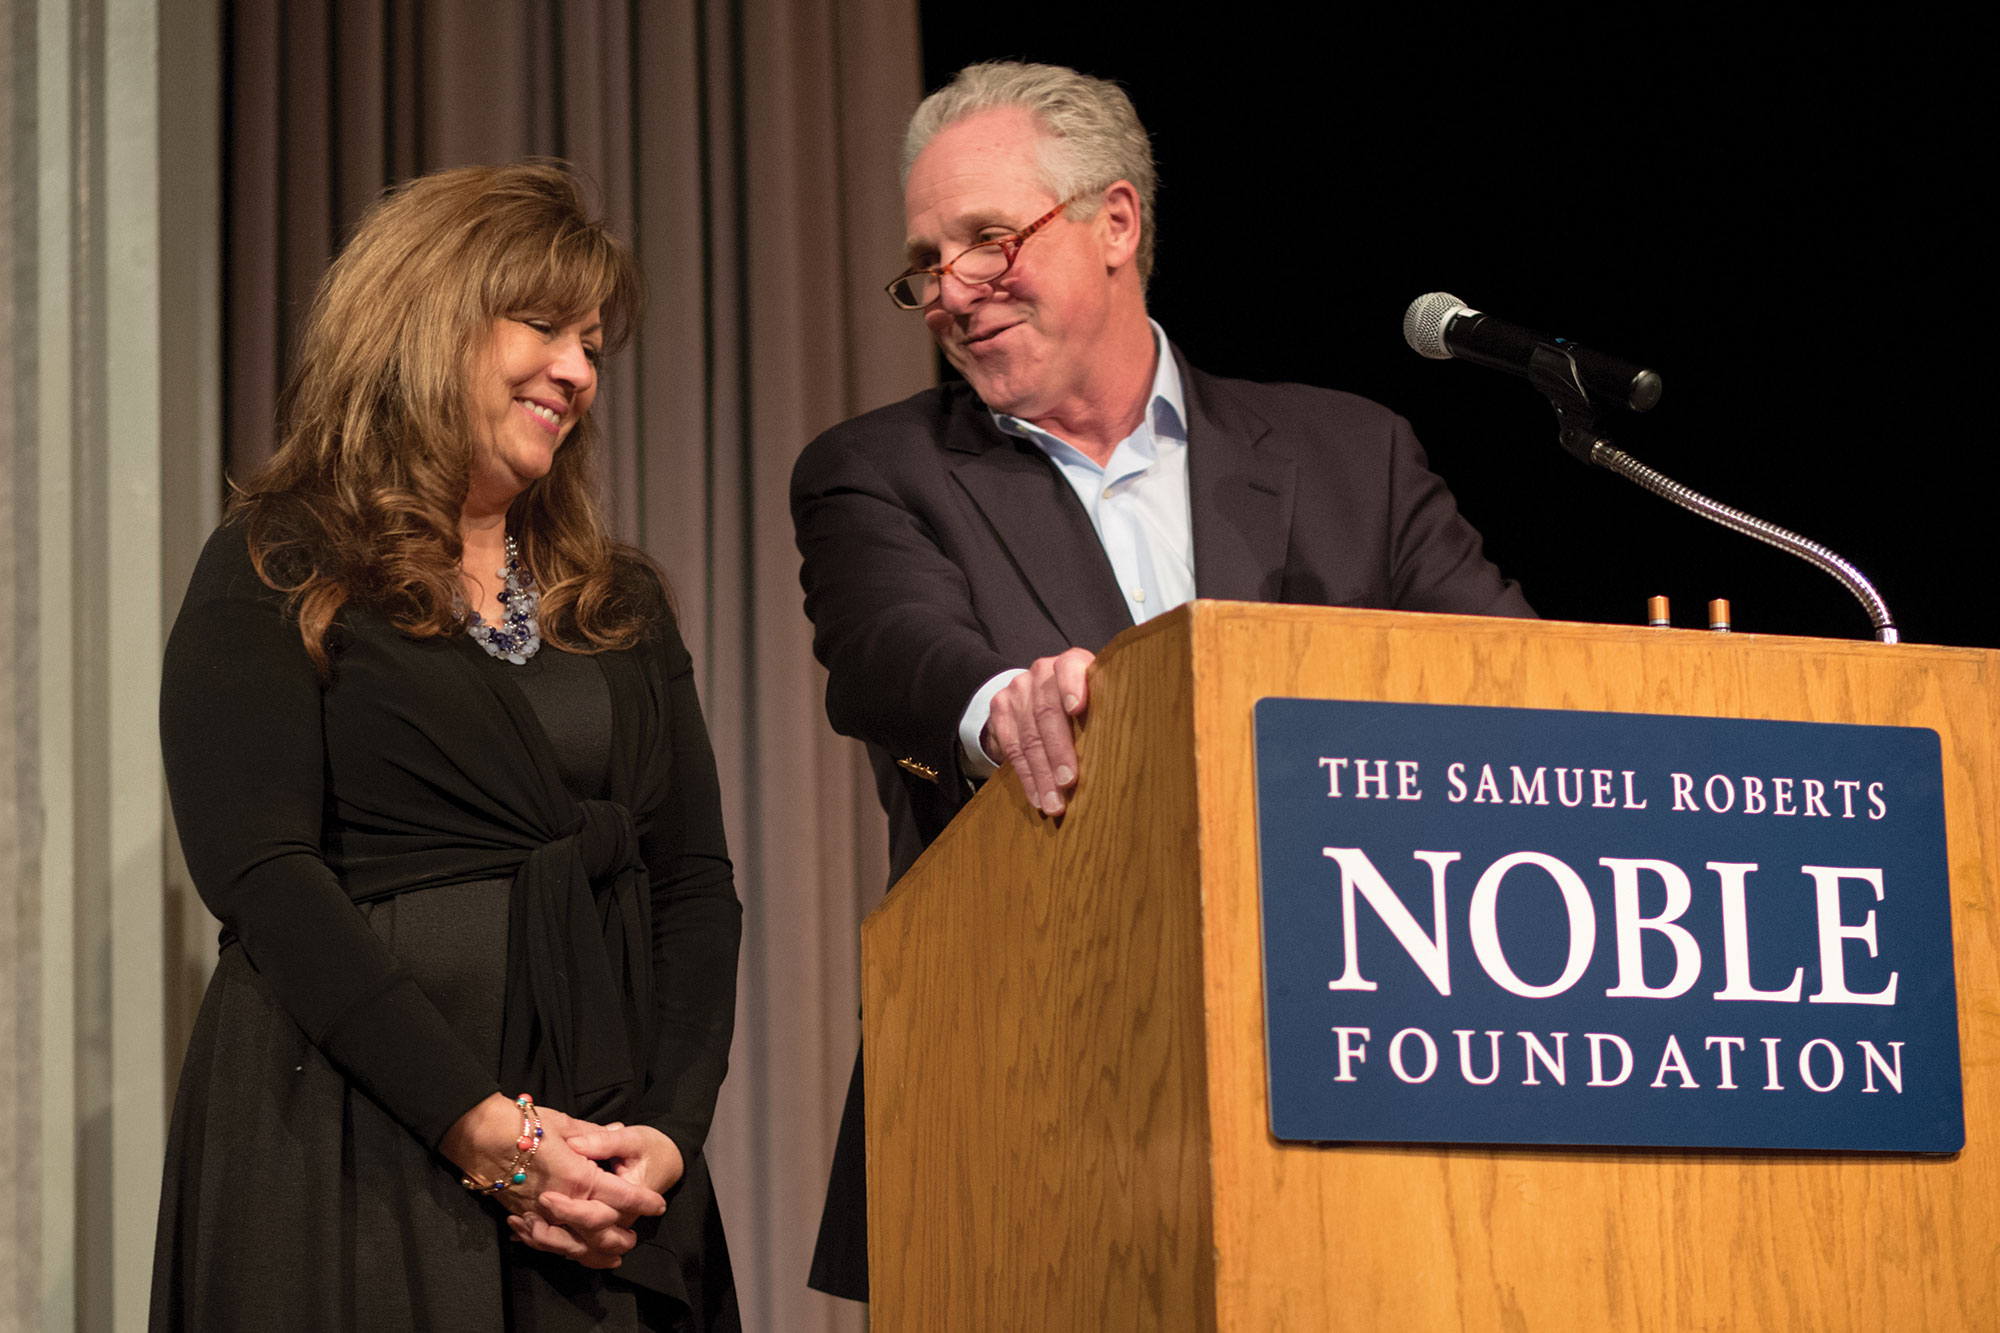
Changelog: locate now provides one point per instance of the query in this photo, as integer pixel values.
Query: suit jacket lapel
(1239, 499)
(1042, 526)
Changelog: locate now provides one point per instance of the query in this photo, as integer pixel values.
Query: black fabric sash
(577, 1030)
(579, 969)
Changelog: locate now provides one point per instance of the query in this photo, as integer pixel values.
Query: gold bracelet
(525, 1148)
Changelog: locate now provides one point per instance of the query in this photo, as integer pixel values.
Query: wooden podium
(1068, 1124)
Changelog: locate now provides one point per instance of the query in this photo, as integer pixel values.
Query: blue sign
(1504, 925)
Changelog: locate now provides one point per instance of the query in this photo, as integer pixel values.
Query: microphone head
(1424, 323)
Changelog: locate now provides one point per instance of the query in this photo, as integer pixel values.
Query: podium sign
(1505, 925)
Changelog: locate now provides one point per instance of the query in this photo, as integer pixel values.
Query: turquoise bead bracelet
(525, 1147)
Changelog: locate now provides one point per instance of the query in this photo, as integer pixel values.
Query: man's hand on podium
(1030, 725)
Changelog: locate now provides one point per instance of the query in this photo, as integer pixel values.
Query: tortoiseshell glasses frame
(975, 266)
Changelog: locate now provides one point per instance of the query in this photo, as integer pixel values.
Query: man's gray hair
(1091, 135)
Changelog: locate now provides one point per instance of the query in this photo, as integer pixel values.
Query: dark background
(1775, 216)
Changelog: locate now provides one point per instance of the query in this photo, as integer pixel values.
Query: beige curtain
(109, 330)
(20, 874)
(748, 150)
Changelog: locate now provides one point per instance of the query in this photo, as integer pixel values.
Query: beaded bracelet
(525, 1148)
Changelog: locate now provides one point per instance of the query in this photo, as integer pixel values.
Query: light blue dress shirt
(1138, 505)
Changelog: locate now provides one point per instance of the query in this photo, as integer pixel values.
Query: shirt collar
(1167, 415)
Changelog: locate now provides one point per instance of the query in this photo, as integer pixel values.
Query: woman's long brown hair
(361, 503)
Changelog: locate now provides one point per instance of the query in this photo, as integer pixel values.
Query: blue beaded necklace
(517, 636)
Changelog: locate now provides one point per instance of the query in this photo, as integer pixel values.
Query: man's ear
(1119, 225)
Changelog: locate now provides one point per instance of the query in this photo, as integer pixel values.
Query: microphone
(1439, 325)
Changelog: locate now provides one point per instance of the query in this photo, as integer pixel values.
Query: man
(968, 550)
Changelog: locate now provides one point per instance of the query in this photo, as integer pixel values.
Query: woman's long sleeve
(697, 921)
(242, 735)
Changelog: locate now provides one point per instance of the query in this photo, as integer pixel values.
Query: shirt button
(1138, 594)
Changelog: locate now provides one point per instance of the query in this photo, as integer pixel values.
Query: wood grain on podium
(1052, 1099)
(1069, 1118)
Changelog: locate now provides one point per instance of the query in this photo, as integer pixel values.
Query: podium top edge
(1210, 612)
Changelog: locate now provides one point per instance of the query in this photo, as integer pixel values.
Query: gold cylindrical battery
(1718, 615)
(1656, 612)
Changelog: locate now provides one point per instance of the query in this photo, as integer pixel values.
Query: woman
(438, 765)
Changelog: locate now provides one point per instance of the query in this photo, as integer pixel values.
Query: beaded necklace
(517, 636)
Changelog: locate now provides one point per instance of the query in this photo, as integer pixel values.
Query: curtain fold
(748, 150)
(20, 798)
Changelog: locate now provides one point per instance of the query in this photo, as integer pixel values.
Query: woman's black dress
(440, 876)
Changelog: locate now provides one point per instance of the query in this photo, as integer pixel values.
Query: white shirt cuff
(972, 757)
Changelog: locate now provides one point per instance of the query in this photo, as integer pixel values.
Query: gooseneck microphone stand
(1556, 376)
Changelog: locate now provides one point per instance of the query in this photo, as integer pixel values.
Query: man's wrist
(974, 762)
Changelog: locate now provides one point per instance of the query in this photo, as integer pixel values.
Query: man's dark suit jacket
(940, 551)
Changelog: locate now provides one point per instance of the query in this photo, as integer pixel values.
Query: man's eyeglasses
(975, 266)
